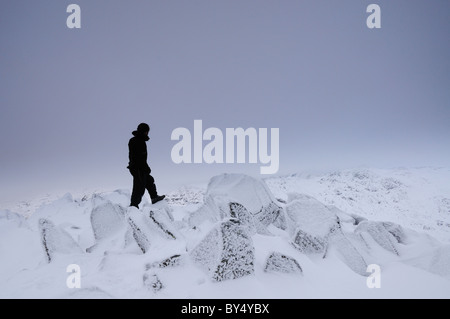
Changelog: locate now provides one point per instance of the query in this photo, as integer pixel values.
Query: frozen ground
(298, 236)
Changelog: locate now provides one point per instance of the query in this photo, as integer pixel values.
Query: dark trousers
(142, 181)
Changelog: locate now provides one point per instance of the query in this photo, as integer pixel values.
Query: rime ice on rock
(172, 261)
(109, 226)
(106, 220)
(397, 231)
(347, 252)
(227, 252)
(55, 240)
(149, 225)
(317, 229)
(207, 253)
(310, 222)
(152, 282)
(380, 234)
(253, 225)
(309, 244)
(248, 192)
(139, 229)
(163, 223)
(278, 262)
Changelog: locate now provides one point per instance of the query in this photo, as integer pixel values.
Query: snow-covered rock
(140, 228)
(152, 282)
(56, 241)
(226, 252)
(172, 261)
(109, 227)
(310, 223)
(238, 234)
(278, 262)
(106, 220)
(340, 245)
(244, 190)
(379, 233)
(163, 222)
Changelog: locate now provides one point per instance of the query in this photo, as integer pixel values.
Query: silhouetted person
(142, 180)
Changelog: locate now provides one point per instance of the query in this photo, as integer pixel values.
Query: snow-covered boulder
(152, 282)
(316, 229)
(226, 252)
(109, 227)
(140, 228)
(397, 231)
(172, 261)
(379, 233)
(340, 245)
(107, 219)
(248, 192)
(310, 223)
(163, 222)
(150, 225)
(277, 262)
(55, 240)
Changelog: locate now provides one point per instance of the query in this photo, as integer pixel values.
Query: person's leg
(151, 187)
(139, 182)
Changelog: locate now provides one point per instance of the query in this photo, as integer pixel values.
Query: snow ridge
(285, 237)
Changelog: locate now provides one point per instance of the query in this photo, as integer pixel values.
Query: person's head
(143, 128)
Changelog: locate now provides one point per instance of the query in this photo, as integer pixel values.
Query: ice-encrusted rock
(278, 262)
(139, 228)
(346, 251)
(397, 231)
(149, 225)
(109, 226)
(55, 240)
(309, 244)
(316, 229)
(172, 261)
(152, 282)
(378, 231)
(226, 252)
(241, 213)
(107, 219)
(252, 224)
(310, 223)
(251, 193)
(163, 223)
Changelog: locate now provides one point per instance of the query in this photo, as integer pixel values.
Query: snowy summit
(363, 233)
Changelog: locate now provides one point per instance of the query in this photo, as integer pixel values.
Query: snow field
(285, 237)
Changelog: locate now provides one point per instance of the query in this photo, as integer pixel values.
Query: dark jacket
(138, 153)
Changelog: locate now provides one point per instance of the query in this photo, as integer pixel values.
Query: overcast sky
(342, 95)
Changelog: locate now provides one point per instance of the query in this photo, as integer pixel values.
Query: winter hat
(143, 127)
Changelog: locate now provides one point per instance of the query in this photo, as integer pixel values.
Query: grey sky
(342, 95)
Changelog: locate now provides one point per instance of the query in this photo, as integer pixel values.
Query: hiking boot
(158, 198)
